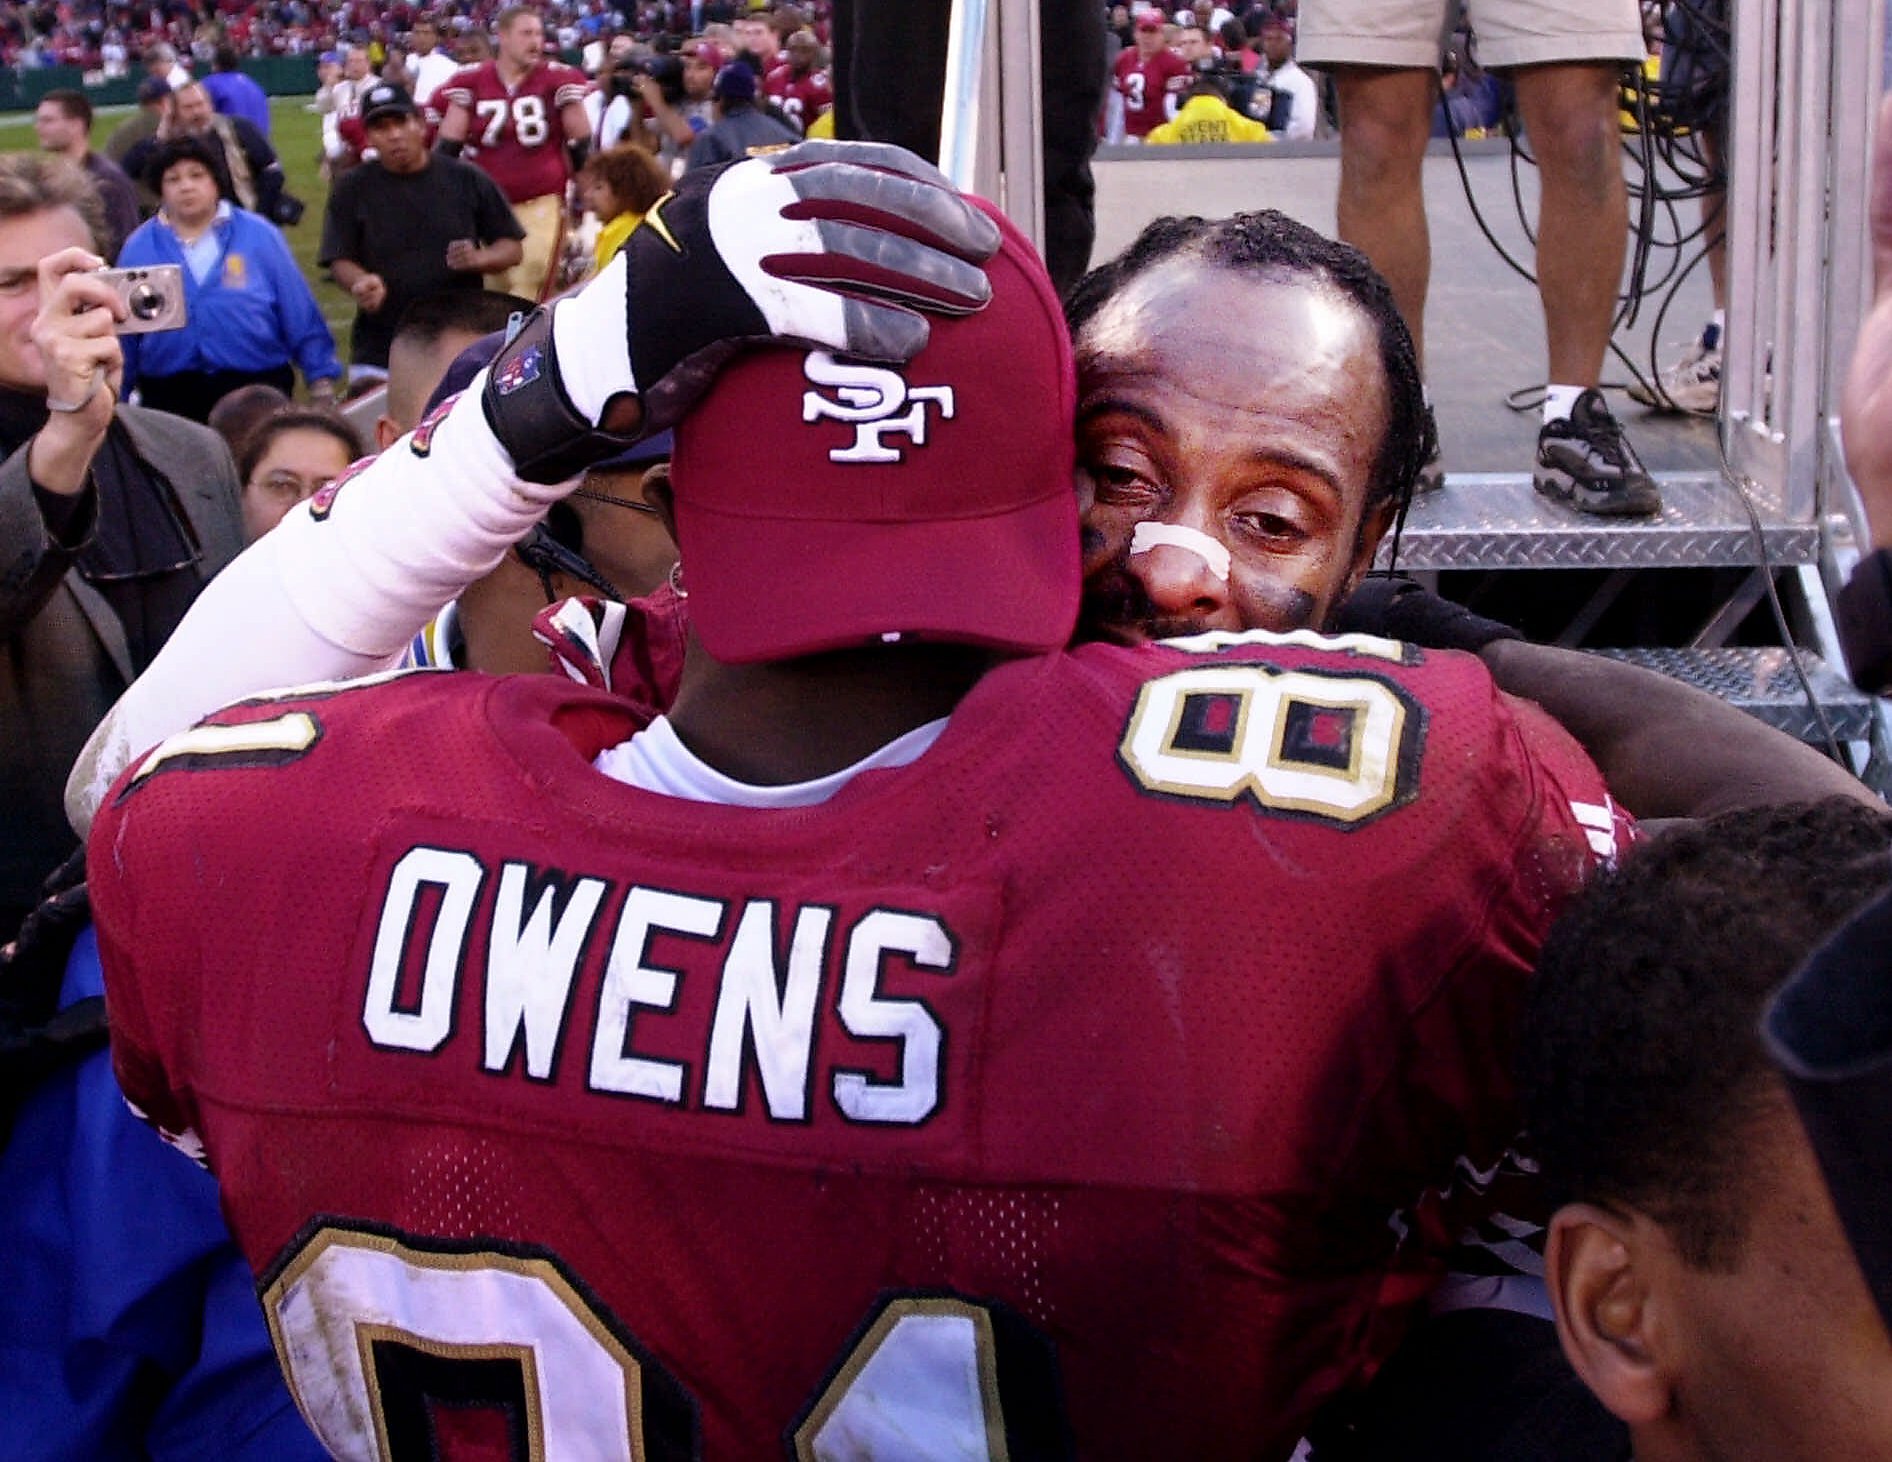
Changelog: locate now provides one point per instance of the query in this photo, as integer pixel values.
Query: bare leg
(1714, 228)
(1385, 119)
(1583, 221)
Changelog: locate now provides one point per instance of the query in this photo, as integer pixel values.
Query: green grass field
(297, 136)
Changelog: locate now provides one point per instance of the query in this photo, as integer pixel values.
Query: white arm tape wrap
(408, 534)
(327, 600)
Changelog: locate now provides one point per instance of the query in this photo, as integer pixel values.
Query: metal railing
(991, 119)
(1806, 78)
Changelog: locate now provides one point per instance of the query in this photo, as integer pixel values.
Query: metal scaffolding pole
(1806, 77)
(991, 122)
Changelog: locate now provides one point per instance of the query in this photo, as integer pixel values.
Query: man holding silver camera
(112, 518)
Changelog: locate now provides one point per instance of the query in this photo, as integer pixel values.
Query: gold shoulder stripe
(252, 743)
(654, 220)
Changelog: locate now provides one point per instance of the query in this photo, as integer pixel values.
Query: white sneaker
(1692, 384)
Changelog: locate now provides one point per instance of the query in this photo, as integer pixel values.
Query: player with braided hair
(867, 418)
(750, 1077)
(1225, 367)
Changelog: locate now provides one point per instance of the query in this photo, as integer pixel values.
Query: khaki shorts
(1410, 34)
(543, 219)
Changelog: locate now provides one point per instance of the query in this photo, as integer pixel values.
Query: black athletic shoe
(1584, 463)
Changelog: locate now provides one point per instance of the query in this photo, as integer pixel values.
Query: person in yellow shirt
(1206, 116)
(619, 185)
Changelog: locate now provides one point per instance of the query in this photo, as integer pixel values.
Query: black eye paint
(1271, 605)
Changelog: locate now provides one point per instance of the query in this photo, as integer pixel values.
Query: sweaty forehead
(1187, 322)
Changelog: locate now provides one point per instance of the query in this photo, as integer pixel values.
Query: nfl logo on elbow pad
(521, 371)
(871, 399)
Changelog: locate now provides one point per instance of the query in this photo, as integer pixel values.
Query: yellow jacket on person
(612, 236)
(1208, 119)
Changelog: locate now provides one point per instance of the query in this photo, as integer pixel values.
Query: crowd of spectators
(112, 37)
(1232, 72)
(439, 183)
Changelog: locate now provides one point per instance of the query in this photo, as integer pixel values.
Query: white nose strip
(1173, 535)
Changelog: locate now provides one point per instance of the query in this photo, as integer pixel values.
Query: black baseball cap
(385, 99)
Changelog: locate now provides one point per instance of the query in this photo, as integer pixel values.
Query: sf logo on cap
(874, 401)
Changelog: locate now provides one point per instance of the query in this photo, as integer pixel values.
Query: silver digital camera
(153, 296)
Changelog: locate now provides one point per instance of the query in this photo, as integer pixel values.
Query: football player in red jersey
(1150, 77)
(756, 1078)
(871, 1132)
(799, 87)
(522, 119)
(845, 399)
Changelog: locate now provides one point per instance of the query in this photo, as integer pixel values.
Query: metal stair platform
(1764, 683)
(1493, 520)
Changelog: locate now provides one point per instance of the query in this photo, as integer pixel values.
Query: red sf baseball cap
(824, 503)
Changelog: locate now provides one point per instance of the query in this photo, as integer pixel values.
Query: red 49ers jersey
(1145, 84)
(802, 97)
(1082, 1088)
(514, 133)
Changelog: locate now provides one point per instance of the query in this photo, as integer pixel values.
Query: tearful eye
(1272, 527)
(1120, 486)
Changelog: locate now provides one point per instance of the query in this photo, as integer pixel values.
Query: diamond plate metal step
(1491, 520)
(1763, 682)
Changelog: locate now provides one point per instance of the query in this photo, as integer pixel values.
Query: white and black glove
(825, 245)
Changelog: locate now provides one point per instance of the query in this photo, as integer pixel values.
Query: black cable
(1779, 612)
(1667, 140)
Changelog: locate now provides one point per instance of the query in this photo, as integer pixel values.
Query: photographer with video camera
(677, 95)
(113, 517)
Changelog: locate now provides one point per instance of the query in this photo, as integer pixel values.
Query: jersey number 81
(401, 1350)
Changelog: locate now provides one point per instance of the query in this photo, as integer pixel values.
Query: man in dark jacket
(63, 121)
(250, 176)
(112, 518)
(738, 127)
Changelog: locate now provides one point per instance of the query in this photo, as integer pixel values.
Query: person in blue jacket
(252, 316)
(129, 1325)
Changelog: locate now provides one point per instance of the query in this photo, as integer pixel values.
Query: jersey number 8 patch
(1336, 748)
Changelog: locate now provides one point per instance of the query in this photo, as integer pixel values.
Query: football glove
(1399, 609)
(824, 245)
